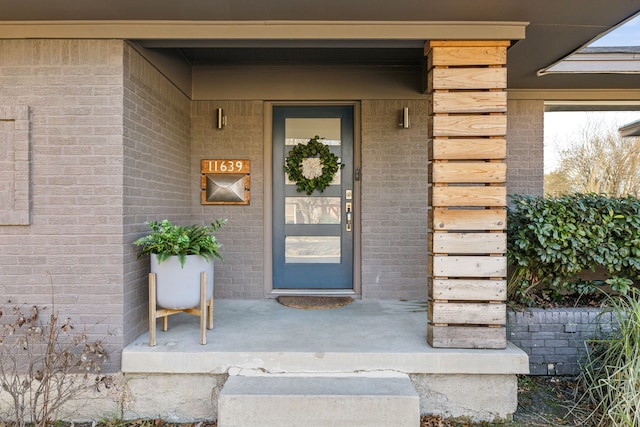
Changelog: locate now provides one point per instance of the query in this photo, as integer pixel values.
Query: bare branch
(599, 161)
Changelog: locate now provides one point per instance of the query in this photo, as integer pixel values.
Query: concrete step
(308, 401)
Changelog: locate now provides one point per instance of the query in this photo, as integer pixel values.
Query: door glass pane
(312, 210)
(312, 249)
(298, 131)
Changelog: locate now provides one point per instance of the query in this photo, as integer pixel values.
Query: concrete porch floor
(376, 343)
(262, 336)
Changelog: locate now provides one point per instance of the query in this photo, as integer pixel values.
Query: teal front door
(313, 234)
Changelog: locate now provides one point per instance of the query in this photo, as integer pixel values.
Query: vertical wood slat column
(467, 83)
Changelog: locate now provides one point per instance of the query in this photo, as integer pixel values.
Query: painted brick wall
(525, 147)
(554, 338)
(242, 273)
(157, 180)
(394, 200)
(73, 245)
(15, 169)
(114, 143)
(394, 194)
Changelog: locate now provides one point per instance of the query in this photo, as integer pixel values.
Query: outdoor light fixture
(221, 119)
(404, 124)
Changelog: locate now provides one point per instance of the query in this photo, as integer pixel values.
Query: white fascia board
(596, 63)
(631, 129)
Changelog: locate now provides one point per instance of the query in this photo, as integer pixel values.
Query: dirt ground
(542, 401)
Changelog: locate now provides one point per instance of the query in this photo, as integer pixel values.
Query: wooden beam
(466, 337)
(468, 289)
(467, 313)
(469, 243)
(469, 196)
(470, 219)
(470, 125)
(468, 148)
(469, 172)
(462, 43)
(467, 55)
(469, 102)
(467, 78)
(469, 266)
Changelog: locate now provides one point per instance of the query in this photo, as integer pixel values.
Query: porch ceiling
(556, 29)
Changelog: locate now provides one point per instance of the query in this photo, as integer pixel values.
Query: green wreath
(311, 166)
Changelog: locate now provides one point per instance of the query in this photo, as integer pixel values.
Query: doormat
(314, 303)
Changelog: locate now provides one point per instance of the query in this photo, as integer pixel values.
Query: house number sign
(225, 182)
(225, 166)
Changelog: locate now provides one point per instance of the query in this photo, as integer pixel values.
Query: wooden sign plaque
(225, 182)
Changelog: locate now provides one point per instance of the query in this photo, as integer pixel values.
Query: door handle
(349, 216)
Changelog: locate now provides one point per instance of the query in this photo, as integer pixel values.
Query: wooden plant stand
(205, 311)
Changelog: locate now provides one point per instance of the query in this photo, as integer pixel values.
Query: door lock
(349, 215)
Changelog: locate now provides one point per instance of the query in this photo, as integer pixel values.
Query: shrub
(610, 376)
(552, 240)
(44, 364)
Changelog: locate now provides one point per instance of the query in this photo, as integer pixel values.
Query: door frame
(268, 201)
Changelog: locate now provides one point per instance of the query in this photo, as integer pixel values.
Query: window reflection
(312, 249)
(301, 130)
(312, 210)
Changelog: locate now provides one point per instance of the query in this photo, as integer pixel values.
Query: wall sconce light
(404, 124)
(221, 119)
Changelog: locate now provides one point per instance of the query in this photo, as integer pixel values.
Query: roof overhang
(613, 60)
(605, 103)
(632, 129)
(554, 30)
(265, 30)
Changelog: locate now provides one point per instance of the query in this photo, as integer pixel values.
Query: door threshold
(312, 292)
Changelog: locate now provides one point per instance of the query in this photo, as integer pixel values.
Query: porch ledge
(365, 337)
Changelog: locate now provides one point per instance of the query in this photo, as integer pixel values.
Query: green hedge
(552, 240)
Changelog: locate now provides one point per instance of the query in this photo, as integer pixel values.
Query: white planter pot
(179, 287)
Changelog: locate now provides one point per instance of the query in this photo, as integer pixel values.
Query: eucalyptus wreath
(312, 166)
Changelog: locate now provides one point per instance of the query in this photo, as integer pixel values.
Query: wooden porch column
(467, 83)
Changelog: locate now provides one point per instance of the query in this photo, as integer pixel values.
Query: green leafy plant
(551, 241)
(167, 240)
(295, 169)
(610, 375)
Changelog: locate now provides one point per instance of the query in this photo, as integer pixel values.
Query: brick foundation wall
(554, 338)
